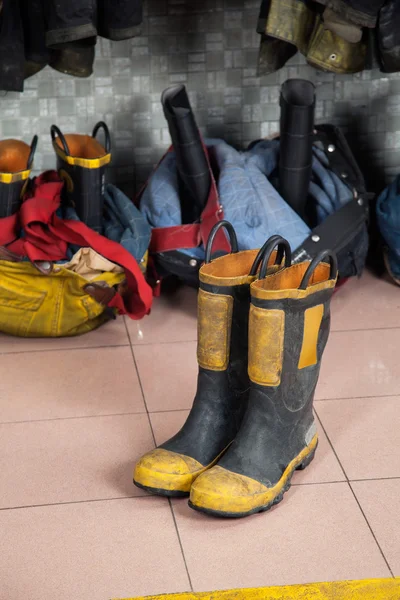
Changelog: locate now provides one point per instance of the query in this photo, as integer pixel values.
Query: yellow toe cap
(222, 491)
(165, 471)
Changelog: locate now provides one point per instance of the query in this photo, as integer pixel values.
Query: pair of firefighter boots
(262, 328)
(81, 163)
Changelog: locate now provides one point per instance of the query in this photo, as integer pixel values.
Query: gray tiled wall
(212, 47)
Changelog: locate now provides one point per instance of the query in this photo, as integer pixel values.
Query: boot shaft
(288, 330)
(81, 163)
(16, 159)
(223, 307)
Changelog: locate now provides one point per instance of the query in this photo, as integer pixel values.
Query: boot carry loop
(56, 132)
(283, 251)
(232, 238)
(331, 256)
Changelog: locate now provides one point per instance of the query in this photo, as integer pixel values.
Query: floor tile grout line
(354, 495)
(155, 444)
(180, 544)
(138, 344)
(71, 418)
(370, 527)
(138, 376)
(68, 502)
(69, 349)
(356, 398)
(358, 329)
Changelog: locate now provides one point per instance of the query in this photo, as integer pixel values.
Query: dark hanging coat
(334, 35)
(62, 33)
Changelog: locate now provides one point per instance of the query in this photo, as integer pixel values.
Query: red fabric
(164, 239)
(46, 237)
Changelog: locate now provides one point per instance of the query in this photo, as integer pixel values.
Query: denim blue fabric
(123, 223)
(249, 199)
(388, 216)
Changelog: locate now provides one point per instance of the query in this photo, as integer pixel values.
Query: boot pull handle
(232, 238)
(107, 137)
(34, 144)
(264, 255)
(56, 131)
(331, 256)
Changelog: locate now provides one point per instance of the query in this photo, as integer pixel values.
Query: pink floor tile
(317, 533)
(68, 460)
(112, 333)
(360, 363)
(365, 433)
(46, 385)
(324, 467)
(168, 373)
(167, 424)
(380, 501)
(173, 318)
(98, 550)
(367, 303)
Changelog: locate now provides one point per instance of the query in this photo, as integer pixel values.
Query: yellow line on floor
(368, 589)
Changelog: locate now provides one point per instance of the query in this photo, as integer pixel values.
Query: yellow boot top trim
(214, 330)
(85, 151)
(224, 491)
(368, 589)
(285, 283)
(14, 156)
(167, 470)
(231, 269)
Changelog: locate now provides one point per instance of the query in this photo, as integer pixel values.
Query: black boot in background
(223, 382)
(16, 159)
(288, 330)
(81, 163)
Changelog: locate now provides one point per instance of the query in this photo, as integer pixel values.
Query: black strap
(34, 144)
(232, 238)
(56, 131)
(335, 232)
(107, 137)
(325, 254)
(283, 246)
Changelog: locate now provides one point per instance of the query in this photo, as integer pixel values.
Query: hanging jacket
(61, 33)
(334, 35)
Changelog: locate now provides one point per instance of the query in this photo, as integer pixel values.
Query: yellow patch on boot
(266, 333)
(368, 589)
(224, 492)
(312, 323)
(214, 330)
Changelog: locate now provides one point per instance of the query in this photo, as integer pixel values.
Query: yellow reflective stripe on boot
(368, 589)
(266, 330)
(214, 330)
(224, 492)
(312, 323)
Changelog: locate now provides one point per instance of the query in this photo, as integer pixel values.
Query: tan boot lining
(14, 156)
(82, 146)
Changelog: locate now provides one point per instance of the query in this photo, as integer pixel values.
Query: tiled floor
(76, 413)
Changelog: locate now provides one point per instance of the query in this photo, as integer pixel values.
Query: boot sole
(161, 492)
(235, 515)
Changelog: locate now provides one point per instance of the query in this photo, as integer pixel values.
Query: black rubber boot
(81, 162)
(223, 383)
(16, 160)
(288, 330)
